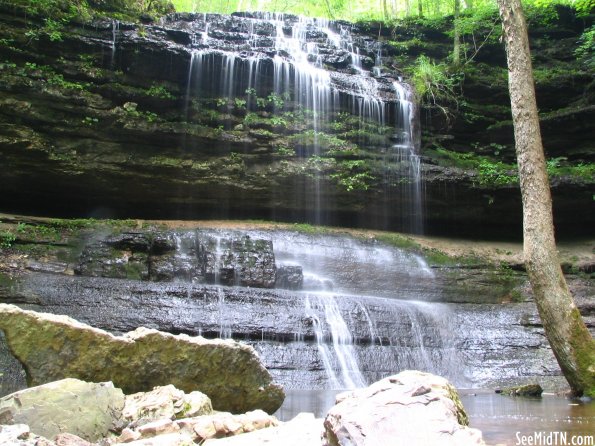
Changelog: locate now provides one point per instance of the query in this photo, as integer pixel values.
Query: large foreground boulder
(88, 410)
(52, 347)
(411, 408)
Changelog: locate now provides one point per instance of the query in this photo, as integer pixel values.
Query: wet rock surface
(474, 324)
(191, 256)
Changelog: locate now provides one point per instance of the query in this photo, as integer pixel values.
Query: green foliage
(87, 120)
(353, 175)
(7, 238)
(276, 100)
(559, 166)
(239, 103)
(490, 172)
(278, 121)
(585, 52)
(47, 73)
(285, 152)
(59, 81)
(251, 118)
(584, 7)
(496, 173)
(53, 30)
(58, 12)
(432, 82)
(397, 240)
(131, 110)
(159, 91)
(319, 164)
(323, 141)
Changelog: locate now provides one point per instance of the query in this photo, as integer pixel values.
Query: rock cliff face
(203, 116)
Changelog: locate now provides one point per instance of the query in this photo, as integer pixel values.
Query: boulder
(20, 434)
(527, 390)
(196, 429)
(303, 430)
(67, 439)
(171, 439)
(53, 347)
(87, 410)
(164, 402)
(412, 408)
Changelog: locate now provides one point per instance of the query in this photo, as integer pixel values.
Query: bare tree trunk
(456, 51)
(420, 8)
(564, 328)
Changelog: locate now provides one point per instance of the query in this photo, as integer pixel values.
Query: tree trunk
(420, 8)
(564, 328)
(456, 51)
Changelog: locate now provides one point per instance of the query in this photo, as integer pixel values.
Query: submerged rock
(412, 408)
(88, 410)
(530, 390)
(54, 347)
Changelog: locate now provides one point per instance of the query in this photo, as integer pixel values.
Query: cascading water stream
(283, 60)
(342, 357)
(115, 29)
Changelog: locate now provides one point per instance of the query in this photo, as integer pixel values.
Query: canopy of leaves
(64, 10)
(355, 10)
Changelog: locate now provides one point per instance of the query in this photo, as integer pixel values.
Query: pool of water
(503, 420)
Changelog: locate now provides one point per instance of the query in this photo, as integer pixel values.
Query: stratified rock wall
(118, 120)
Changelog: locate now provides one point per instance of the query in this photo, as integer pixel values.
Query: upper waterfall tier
(319, 48)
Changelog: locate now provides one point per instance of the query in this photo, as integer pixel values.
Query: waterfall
(224, 325)
(340, 364)
(115, 29)
(283, 61)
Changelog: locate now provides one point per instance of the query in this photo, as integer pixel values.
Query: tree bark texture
(456, 52)
(564, 328)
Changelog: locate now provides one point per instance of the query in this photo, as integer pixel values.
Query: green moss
(397, 240)
(583, 348)
(490, 172)
(462, 417)
(306, 228)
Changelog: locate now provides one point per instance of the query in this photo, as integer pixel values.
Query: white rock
(411, 408)
(303, 430)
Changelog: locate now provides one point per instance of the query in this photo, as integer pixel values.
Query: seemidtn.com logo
(554, 438)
